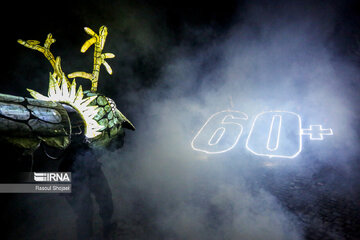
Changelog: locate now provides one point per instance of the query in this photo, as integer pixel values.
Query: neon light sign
(272, 133)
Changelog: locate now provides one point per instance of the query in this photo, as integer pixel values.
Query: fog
(271, 57)
(275, 58)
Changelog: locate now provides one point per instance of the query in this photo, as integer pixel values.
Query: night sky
(176, 64)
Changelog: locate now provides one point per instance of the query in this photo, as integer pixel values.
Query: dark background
(139, 64)
(166, 52)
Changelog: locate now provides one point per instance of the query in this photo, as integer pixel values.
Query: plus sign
(316, 132)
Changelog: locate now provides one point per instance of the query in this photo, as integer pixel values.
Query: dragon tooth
(72, 91)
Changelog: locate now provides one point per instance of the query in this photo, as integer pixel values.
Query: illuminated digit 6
(224, 129)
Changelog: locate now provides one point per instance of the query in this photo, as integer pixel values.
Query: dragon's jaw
(61, 90)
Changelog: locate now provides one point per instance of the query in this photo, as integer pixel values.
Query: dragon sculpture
(67, 109)
(72, 123)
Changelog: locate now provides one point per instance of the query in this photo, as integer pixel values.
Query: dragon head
(103, 122)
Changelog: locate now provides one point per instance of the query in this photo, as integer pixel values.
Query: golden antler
(99, 57)
(34, 44)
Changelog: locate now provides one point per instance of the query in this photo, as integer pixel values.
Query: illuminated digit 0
(220, 133)
(275, 134)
